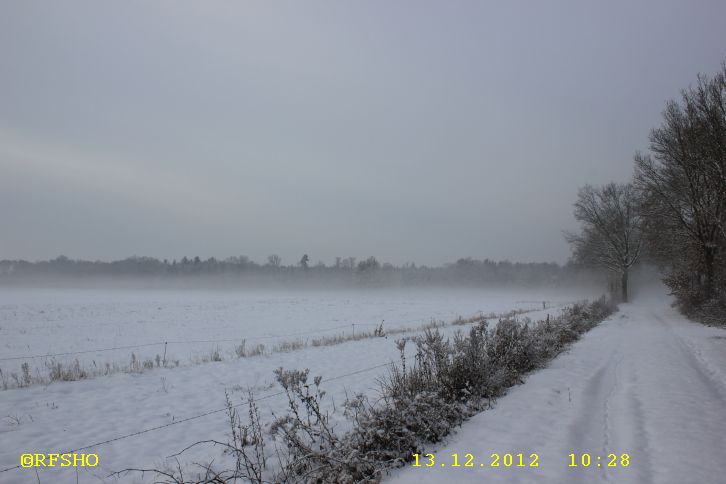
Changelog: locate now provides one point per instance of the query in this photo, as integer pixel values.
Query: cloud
(136, 182)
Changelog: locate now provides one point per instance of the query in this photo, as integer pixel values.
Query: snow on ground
(67, 415)
(646, 382)
(50, 321)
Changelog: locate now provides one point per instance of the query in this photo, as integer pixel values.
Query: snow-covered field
(64, 416)
(195, 323)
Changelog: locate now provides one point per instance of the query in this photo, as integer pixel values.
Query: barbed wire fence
(351, 326)
(56, 370)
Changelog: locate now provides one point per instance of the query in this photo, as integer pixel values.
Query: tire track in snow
(606, 420)
(590, 431)
(636, 440)
(713, 386)
(685, 382)
(610, 420)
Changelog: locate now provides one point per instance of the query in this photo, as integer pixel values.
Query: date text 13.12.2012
(517, 460)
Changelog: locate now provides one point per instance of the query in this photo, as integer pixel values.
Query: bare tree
(369, 265)
(684, 181)
(274, 260)
(610, 235)
(304, 260)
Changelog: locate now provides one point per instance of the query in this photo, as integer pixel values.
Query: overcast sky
(412, 131)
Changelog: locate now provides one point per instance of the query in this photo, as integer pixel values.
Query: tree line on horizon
(365, 271)
(673, 211)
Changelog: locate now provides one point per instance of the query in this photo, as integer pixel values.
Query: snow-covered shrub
(688, 294)
(308, 437)
(215, 355)
(258, 349)
(511, 350)
(602, 308)
(240, 350)
(469, 373)
(386, 435)
(57, 371)
(287, 346)
(25, 368)
(713, 311)
(247, 443)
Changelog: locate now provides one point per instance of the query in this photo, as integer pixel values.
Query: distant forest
(347, 271)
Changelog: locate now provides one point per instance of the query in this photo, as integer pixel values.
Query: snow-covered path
(646, 382)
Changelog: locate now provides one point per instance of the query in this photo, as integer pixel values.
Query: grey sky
(412, 131)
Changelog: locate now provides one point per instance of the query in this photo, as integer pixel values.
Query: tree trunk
(709, 258)
(624, 285)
